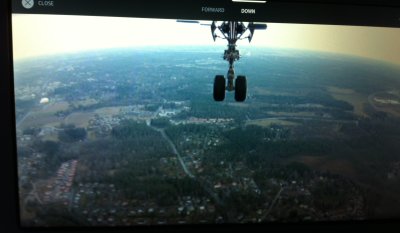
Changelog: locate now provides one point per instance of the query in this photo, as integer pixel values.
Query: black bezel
(9, 197)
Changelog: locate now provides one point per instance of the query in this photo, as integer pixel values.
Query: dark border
(8, 164)
(311, 11)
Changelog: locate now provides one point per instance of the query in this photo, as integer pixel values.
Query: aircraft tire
(219, 88)
(240, 88)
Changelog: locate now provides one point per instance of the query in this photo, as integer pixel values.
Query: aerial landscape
(124, 137)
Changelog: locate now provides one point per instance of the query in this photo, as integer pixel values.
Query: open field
(39, 119)
(325, 163)
(52, 108)
(85, 103)
(291, 114)
(79, 119)
(108, 111)
(265, 91)
(357, 100)
(270, 121)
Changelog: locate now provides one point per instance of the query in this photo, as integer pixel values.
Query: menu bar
(261, 11)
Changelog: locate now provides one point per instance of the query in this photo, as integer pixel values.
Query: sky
(36, 35)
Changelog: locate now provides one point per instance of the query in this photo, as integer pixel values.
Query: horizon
(80, 33)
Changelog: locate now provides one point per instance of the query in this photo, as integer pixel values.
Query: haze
(36, 35)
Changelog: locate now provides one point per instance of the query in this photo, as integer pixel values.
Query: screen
(128, 121)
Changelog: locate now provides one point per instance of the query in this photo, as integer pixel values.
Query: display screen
(127, 121)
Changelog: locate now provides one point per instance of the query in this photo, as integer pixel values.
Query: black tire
(219, 88)
(240, 88)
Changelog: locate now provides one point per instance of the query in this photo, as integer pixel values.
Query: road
(170, 143)
(23, 119)
(204, 183)
(272, 204)
(176, 152)
(34, 194)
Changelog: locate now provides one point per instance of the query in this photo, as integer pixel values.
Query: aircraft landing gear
(220, 87)
(240, 88)
(232, 31)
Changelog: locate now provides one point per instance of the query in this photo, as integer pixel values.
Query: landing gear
(240, 88)
(232, 31)
(219, 88)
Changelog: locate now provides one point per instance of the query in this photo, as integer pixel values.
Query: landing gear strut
(239, 85)
(232, 31)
